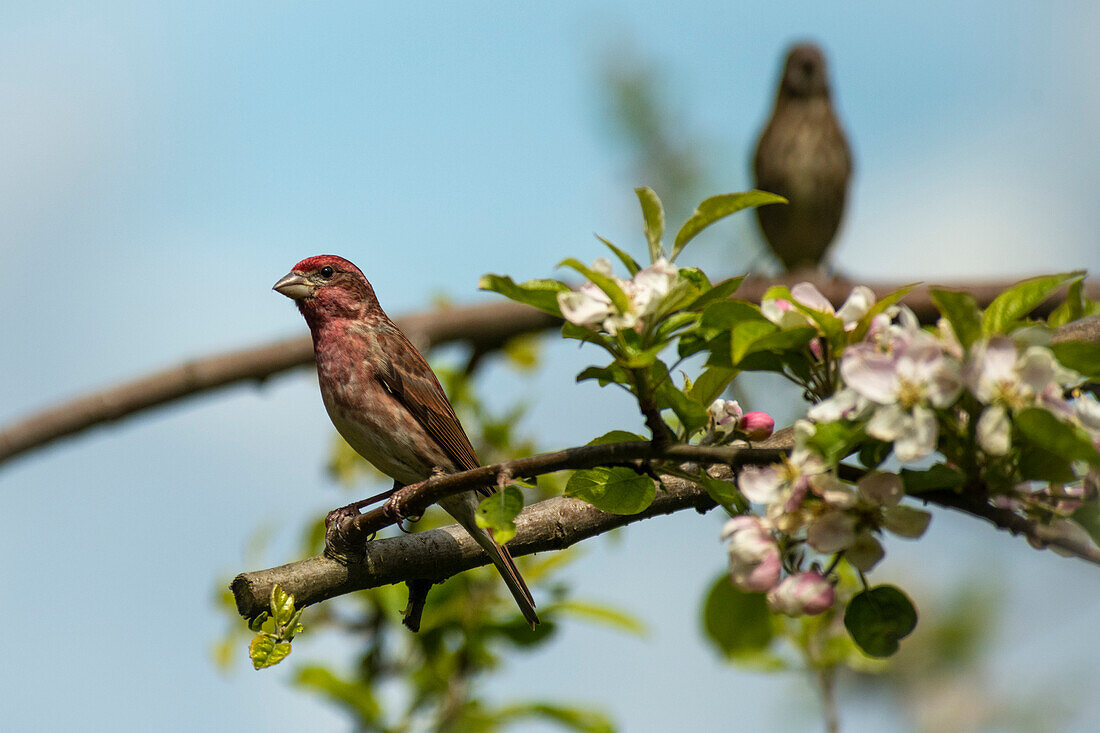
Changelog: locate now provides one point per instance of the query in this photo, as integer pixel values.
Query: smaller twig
(418, 596)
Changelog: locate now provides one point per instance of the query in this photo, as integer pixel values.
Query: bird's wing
(414, 384)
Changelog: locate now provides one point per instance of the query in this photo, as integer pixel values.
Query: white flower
(753, 552)
(590, 307)
(802, 594)
(785, 315)
(995, 430)
(1000, 374)
(902, 383)
(847, 404)
(725, 416)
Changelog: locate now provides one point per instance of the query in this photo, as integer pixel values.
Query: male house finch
(802, 155)
(384, 398)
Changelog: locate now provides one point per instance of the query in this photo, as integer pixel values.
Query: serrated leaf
(541, 294)
(747, 333)
(711, 383)
(962, 312)
(497, 513)
(716, 208)
(608, 284)
(738, 623)
(654, 215)
(1072, 308)
(720, 292)
(725, 314)
(282, 605)
(615, 489)
(776, 342)
(1082, 357)
(1019, 300)
(616, 436)
(605, 375)
(580, 333)
(1044, 430)
(879, 618)
(938, 477)
(266, 652)
(692, 415)
(724, 493)
(629, 262)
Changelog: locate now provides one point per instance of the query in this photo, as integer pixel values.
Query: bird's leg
(352, 510)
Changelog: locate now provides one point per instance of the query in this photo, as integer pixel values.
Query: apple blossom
(757, 425)
(753, 552)
(802, 594)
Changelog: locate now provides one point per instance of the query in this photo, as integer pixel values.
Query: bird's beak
(294, 286)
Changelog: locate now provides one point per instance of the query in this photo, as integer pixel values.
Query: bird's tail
(499, 554)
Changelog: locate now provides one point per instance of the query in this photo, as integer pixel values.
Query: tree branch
(553, 524)
(436, 554)
(485, 327)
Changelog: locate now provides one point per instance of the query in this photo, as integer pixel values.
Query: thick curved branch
(485, 327)
(436, 554)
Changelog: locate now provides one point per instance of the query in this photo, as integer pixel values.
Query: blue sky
(162, 164)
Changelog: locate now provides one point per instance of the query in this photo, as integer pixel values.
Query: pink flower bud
(753, 553)
(757, 425)
(802, 594)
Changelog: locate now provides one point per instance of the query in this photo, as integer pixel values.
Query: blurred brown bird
(384, 399)
(803, 156)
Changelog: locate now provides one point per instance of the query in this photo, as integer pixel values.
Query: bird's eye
(327, 272)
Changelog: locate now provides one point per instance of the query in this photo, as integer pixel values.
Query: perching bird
(803, 156)
(383, 397)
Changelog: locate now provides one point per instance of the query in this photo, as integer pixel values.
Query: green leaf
(833, 440)
(282, 605)
(599, 613)
(616, 436)
(615, 489)
(962, 312)
(738, 623)
(936, 478)
(605, 375)
(829, 323)
(725, 314)
(1039, 464)
(577, 719)
(497, 513)
(747, 333)
(264, 651)
(720, 292)
(724, 493)
(873, 452)
(879, 618)
(719, 207)
(1044, 430)
(1088, 516)
(357, 697)
(1073, 307)
(606, 283)
(674, 323)
(580, 333)
(1013, 304)
(629, 262)
(541, 294)
(776, 342)
(654, 215)
(692, 415)
(256, 624)
(1080, 356)
(711, 383)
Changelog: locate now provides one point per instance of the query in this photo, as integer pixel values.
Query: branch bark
(553, 524)
(484, 327)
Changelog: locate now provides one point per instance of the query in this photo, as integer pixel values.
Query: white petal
(919, 440)
(881, 488)
(811, 297)
(760, 484)
(888, 423)
(995, 431)
(906, 521)
(857, 305)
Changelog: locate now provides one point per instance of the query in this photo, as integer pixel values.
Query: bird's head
(326, 287)
(804, 73)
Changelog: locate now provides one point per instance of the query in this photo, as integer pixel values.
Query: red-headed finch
(383, 397)
(803, 156)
